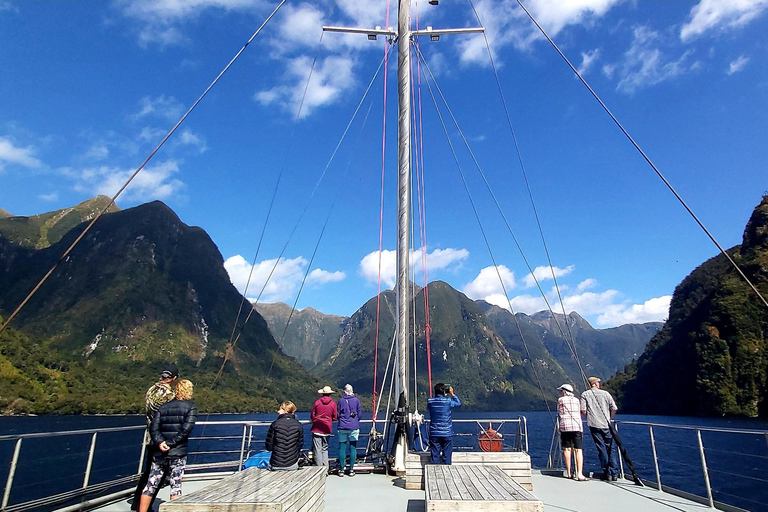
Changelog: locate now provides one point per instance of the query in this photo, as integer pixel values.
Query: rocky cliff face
(142, 288)
(711, 356)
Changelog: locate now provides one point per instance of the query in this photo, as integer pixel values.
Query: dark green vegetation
(474, 345)
(40, 231)
(142, 288)
(711, 356)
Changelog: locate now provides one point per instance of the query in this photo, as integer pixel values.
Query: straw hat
(325, 391)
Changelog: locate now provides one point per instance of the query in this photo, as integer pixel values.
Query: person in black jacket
(285, 439)
(170, 430)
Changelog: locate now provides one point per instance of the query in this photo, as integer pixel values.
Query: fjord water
(736, 462)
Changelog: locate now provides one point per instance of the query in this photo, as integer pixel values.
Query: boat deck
(382, 493)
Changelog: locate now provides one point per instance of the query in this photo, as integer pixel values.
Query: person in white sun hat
(569, 423)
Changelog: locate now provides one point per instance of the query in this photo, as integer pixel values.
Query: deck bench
(477, 488)
(258, 490)
(515, 464)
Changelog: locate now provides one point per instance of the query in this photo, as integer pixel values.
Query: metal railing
(555, 459)
(215, 447)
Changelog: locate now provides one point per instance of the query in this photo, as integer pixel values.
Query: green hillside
(711, 357)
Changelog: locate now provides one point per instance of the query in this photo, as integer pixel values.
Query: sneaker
(614, 478)
(351, 473)
(340, 473)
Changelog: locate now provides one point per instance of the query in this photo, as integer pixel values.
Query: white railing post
(704, 469)
(242, 447)
(143, 454)
(11, 474)
(621, 459)
(655, 458)
(90, 461)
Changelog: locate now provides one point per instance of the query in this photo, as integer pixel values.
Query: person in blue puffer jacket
(441, 423)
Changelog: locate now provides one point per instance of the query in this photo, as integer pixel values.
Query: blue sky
(87, 89)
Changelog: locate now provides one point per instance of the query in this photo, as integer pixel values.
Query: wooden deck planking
(259, 490)
(517, 465)
(477, 488)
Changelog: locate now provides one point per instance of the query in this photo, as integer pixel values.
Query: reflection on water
(735, 462)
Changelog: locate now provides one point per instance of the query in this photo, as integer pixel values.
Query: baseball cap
(169, 371)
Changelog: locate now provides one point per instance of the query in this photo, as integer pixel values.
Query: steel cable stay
(646, 157)
(487, 243)
(136, 172)
(304, 210)
(274, 195)
(570, 336)
(504, 218)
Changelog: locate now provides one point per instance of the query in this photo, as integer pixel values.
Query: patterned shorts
(173, 468)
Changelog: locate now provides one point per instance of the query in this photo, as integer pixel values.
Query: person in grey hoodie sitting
(349, 429)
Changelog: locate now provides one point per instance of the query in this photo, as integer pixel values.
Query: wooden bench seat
(515, 464)
(259, 490)
(476, 488)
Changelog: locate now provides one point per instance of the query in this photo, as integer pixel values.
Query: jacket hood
(325, 400)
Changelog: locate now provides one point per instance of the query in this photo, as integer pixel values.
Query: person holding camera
(349, 429)
(441, 423)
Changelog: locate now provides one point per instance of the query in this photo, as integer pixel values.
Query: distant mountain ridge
(140, 289)
(473, 343)
(41, 231)
(711, 357)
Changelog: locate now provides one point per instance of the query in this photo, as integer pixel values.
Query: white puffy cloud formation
(737, 65)
(608, 307)
(545, 273)
(10, 153)
(279, 280)
(156, 181)
(709, 15)
(439, 259)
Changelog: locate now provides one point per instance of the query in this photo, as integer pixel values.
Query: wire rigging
(645, 157)
(136, 172)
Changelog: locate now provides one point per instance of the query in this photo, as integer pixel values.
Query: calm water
(736, 462)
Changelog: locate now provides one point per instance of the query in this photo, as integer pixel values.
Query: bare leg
(579, 463)
(144, 503)
(567, 457)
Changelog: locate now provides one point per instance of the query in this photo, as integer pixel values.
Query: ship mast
(404, 36)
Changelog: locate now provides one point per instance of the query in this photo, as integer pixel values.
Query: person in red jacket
(323, 415)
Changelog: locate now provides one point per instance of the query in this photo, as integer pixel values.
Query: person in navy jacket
(441, 423)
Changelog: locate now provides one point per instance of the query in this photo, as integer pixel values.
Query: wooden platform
(515, 464)
(476, 488)
(260, 490)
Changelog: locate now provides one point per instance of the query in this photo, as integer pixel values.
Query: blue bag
(259, 460)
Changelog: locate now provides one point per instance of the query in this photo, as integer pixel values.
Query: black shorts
(571, 440)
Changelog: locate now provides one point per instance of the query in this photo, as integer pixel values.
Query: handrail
(694, 427)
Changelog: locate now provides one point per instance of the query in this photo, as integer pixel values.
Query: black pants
(150, 453)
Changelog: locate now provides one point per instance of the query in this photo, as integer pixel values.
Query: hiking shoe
(614, 478)
(351, 473)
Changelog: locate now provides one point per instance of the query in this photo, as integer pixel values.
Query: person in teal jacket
(441, 423)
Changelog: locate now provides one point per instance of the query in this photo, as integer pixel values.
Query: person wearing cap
(323, 414)
(158, 394)
(600, 408)
(569, 423)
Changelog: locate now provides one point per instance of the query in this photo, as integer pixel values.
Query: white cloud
(318, 276)
(587, 284)
(187, 138)
(487, 284)
(168, 108)
(652, 310)
(53, 196)
(710, 15)
(331, 77)
(545, 273)
(12, 154)
(738, 65)
(97, 151)
(506, 24)
(587, 60)
(439, 259)
(285, 278)
(153, 182)
(644, 64)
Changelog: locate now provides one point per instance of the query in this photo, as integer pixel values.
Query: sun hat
(566, 387)
(325, 391)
